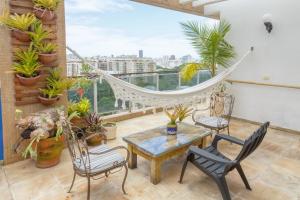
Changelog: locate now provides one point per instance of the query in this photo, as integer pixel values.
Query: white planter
(111, 130)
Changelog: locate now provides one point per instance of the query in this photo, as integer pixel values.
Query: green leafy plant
(47, 48)
(38, 34)
(27, 64)
(55, 84)
(183, 112)
(21, 22)
(173, 116)
(82, 107)
(210, 44)
(94, 122)
(86, 68)
(46, 4)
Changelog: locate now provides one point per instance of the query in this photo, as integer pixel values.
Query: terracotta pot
(49, 152)
(44, 15)
(47, 101)
(28, 81)
(111, 130)
(95, 140)
(20, 35)
(79, 122)
(47, 58)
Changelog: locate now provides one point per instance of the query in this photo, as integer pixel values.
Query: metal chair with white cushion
(93, 162)
(220, 109)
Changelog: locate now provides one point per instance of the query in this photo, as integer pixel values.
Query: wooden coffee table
(156, 146)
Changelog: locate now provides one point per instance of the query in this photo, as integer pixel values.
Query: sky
(123, 27)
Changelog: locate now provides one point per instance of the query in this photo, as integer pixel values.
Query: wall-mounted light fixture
(267, 19)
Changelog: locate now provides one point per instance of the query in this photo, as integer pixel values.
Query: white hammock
(127, 92)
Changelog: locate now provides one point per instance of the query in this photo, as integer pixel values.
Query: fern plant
(210, 44)
(46, 4)
(27, 63)
(21, 22)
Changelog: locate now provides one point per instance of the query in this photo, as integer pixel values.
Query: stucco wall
(276, 59)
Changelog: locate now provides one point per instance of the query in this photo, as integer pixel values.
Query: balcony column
(198, 77)
(179, 80)
(157, 81)
(95, 88)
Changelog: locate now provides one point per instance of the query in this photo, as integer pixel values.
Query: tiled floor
(273, 172)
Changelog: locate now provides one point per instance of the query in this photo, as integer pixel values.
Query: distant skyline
(122, 27)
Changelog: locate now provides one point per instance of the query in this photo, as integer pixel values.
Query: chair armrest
(229, 138)
(112, 149)
(198, 110)
(208, 155)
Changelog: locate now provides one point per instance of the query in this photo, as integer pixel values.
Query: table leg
(155, 175)
(132, 162)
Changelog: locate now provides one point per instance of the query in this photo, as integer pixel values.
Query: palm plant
(210, 44)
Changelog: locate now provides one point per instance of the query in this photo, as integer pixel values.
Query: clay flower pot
(95, 138)
(20, 35)
(28, 81)
(79, 122)
(47, 101)
(44, 15)
(49, 152)
(47, 59)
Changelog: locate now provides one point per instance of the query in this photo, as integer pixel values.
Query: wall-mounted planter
(28, 81)
(44, 15)
(47, 101)
(20, 35)
(47, 59)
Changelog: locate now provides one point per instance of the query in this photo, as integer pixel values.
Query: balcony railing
(103, 99)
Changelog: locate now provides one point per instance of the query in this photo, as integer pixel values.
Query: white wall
(276, 56)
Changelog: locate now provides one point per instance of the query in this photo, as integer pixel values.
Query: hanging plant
(56, 85)
(47, 53)
(27, 66)
(19, 24)
(44, 9)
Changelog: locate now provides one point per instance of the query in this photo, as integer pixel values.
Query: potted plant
(44, 9)
(82, 108)
(111, 130)
(27, 66)
(47, 53)
(20, 25)
(45, 134)
(172, 125)
(38, 34)
(55, 85)
(183, 112)
(95, 133)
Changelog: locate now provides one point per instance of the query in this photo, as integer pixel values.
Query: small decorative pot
(111, 130)
(172, 129)
(44, 15)
(79, 122)
(47, 58)
(95, 140)
(21, 35)
(49, 152)
(47, 101)
(28, 81)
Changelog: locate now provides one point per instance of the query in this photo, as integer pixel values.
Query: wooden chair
(94, 162)
(216, 165)
(220, 108)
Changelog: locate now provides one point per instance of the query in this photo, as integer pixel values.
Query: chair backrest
(253, 142)
(221, 105)
(77, 147)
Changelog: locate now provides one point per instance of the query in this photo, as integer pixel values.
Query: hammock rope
(127, 92)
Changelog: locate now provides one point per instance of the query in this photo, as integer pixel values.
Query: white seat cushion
(216, 122)
(99, 163)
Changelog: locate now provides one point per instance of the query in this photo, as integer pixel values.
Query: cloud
(93, 40)
(91, 6)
